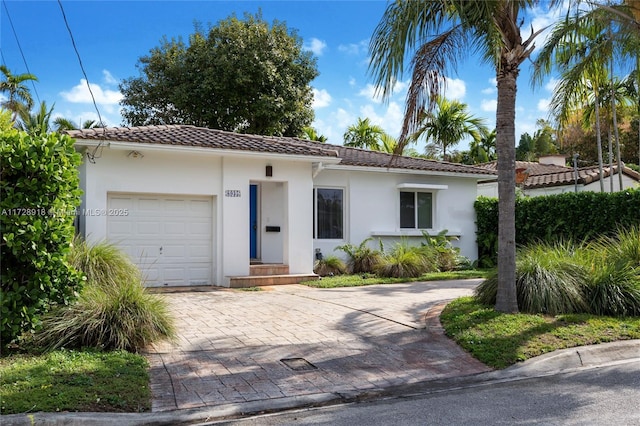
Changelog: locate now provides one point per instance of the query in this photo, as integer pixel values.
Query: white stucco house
(551, 176)
(195, 206)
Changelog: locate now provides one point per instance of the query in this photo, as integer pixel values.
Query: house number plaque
(233, 193)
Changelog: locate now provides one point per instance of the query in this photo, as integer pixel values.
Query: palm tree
(61, 124)
(311, 134)
(38, 123)
(460, 26)
(484, 149)
(448, 125)
(582, 45)
(19, 96)
(364, 134)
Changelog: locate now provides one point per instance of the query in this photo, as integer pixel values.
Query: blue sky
(112, 35)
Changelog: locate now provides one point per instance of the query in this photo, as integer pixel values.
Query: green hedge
(576, 216)
(39, 192)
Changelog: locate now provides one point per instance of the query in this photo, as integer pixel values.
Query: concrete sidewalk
(293, 346)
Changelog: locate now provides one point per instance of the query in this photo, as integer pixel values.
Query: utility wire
(90, 155)
(4, 3)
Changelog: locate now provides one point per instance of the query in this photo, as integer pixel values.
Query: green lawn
(500, 340)
(370, 279)
(67, 380)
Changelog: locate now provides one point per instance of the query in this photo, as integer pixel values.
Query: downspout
(317, 168)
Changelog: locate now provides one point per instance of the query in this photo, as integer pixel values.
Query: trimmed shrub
(549, 280)
(404, 261)
(362, 258)
(329, 266)
(39, 192)
(114, 310)
(578, 216)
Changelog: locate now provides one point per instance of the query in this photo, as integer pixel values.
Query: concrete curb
(562, 361)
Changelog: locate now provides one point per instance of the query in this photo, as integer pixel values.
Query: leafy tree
(37, 123)
(240, 75)
(448, 125)
(19, 97)
(364, 134)
(439, 33)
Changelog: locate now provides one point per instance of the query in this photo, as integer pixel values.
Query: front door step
(267, 280)
(269, 269)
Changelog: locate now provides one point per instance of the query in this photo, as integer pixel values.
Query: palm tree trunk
(617, 136)
(610, 140)
(599, 140)
(506, 299)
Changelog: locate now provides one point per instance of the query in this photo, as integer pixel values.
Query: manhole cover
(298, 364)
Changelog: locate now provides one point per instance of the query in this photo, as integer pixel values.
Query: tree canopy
(243, 75)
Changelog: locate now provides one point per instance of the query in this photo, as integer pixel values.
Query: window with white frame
(328, 213)
(416, 210)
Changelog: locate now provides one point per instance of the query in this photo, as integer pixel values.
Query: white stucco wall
(373, 208)
(287, 200)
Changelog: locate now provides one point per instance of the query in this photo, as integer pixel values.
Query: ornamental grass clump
(362, 258)
(404, 261)
(329, 266)
(114, 310)
(549, 280)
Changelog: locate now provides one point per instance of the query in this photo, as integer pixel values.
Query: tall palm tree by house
(364, 134)
(439, 33)
(448, 125)
(19, 97)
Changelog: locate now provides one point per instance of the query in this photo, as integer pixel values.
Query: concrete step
(268, 269)
(267, 280)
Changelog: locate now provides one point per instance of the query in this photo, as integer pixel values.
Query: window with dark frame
(328, 213)
(416, 210)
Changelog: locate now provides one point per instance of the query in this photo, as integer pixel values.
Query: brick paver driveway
(232, 344)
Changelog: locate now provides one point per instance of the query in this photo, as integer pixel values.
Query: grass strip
(371, 279)
(66, 380)
(500, 340)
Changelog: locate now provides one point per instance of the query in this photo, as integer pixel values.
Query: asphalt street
(598, 396)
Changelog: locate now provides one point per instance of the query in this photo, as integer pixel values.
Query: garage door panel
(169, 237)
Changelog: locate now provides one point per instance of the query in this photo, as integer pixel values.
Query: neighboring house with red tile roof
(196, 206)
(548, 177)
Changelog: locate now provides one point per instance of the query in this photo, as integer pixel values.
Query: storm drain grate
(298, 364)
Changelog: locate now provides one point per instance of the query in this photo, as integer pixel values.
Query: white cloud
(543, 18)
(80, 94)
(543, 105)
(390, 119)
(321, 98)
(551, 84)
(455, 89)
(489, 105)
(352, 81)
(109, 78)
(316, 46)
(369, 92)
(492, 89)
(354, 48)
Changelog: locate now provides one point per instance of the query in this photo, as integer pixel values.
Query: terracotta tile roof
(532, 167)
(217, 139)
(547, 175)
(366, 158)
(186, 135)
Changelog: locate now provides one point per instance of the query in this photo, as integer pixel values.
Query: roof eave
(214, 152)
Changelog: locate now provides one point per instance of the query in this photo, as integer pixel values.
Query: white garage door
(169, 237)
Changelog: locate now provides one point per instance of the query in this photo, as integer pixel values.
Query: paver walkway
(231, 343)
